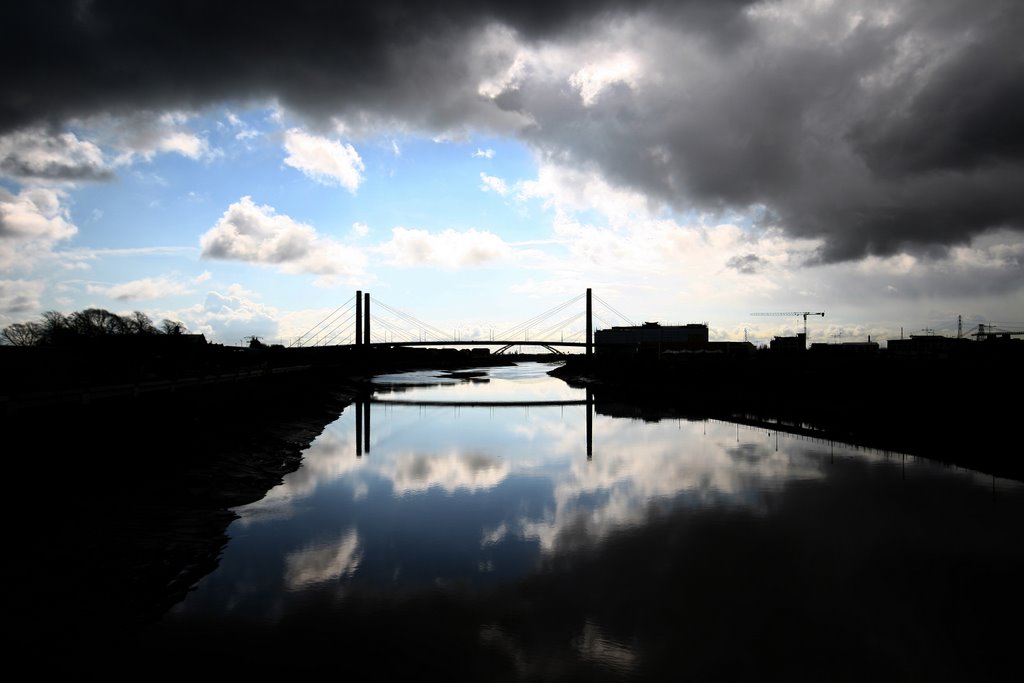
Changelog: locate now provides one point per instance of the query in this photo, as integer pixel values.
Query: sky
(246, 167)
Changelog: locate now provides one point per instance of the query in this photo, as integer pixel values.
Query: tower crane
(802, 313)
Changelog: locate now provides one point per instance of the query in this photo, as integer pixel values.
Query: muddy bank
(126, 502)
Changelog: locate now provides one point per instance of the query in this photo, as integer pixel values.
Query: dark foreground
(137, 512)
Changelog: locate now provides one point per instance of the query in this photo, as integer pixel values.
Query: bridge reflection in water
(363, 412)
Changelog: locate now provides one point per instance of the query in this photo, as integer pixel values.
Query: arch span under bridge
(350, 325)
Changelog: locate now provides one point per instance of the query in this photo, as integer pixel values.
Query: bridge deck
(479, 404)
(478, 342)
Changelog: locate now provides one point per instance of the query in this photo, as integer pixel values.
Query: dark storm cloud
(16, 167)
(876, 127)
(875, 134)
(967, 116)
(80, 57)
(74, 58)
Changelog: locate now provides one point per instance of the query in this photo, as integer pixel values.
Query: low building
(928, 345)
(846, 348)
(731, 348)
(653, 337)
(789, 344)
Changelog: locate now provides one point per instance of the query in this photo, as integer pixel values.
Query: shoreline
(905, 405)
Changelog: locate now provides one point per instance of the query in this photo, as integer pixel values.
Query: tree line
(55, 328)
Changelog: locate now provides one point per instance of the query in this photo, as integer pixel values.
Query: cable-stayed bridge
(569, 324)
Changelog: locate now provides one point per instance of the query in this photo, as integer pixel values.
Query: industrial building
(846, 348)
(928, 345)
(793, 344)
(652, 337)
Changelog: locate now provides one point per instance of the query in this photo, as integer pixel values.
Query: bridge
(364, 410)
(350, 325)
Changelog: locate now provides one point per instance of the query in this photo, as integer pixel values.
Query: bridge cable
(395, 330)
(341, 325)
(532, 322)
(339, 330)
(424, 326)
(543, 316)
(401, 326)
(606, 323)
(318, 336)
(328, 317)
(614, 310)
(559, 325)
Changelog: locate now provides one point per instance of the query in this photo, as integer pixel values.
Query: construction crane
(803, 313)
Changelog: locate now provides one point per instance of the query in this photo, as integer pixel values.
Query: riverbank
(945, 409)
(129, 369)
(131, 499)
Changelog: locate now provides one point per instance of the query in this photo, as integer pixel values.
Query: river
(478, 528)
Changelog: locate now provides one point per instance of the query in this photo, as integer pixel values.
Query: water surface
(448, 527)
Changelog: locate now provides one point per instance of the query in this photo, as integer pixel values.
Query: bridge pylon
(366, 314)
(359, 317)
(590, 325)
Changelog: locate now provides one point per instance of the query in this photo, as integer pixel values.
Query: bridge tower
(359, 317)
(366, 321)
(590, 326)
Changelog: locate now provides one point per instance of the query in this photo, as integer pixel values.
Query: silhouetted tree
(140, 323)
(91, 323)
(172, 327)
(22, 334)
(97, 322)
(55, 327)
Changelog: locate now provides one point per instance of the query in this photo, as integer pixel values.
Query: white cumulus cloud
(38, 155)
(258, 234)
(228, 317)
(144, 288)
(447, 249)
(20, 296)
(493, 184)
(326, 161)
(31, 223)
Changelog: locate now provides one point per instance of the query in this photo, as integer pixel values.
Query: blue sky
(685, 169)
